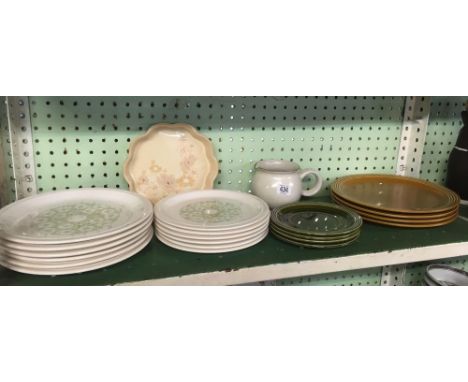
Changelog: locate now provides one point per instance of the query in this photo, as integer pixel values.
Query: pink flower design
(187, 163)
(143, 180)
(167, 182)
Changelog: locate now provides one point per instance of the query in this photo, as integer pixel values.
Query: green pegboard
(365, 277)
(83, 141)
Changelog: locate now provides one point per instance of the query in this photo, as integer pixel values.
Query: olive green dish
(315, 218)
(309, 239)
(317, 245)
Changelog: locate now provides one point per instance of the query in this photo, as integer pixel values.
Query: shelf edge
(313, 267)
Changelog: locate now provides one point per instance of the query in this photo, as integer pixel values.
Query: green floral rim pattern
(71, 219)
(280, 217)
(212, 211)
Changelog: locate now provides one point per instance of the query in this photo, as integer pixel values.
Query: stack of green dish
(315, 225)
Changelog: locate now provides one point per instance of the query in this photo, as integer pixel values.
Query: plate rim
(414, 216)
(65, 263)
(314, 246)
(90, 267)
(214, 252)
(428, 220)
(56, 256)
(209, 245)
(214, 237)
(324, 239)
(83, 245)
(403, 225)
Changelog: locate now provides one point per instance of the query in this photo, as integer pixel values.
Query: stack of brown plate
(397, 200)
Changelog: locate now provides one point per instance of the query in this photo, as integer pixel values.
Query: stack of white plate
(73, 231)
(211, 221)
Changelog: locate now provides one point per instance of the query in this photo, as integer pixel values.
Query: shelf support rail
(21, 146)
(413, 137)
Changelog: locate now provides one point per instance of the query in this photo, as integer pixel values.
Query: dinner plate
(213, 245)
(80, 248)
(78, 269)
(168, 159)
(219, 239)
(216, 249)
(208, 233)
(70, 216)
(395, 193)
(385, 214)
(426, 220)
(46, 263)
(222, 231)
(412, 224)
(211, 210)
(319, 219)
(44, 257)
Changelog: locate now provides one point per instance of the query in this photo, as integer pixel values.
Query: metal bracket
(413, 136)
(7, 187)
(393, 275)
(21, 144)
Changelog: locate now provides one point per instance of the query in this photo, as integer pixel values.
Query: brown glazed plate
(363, 211)
(412, 224)
(395, 193)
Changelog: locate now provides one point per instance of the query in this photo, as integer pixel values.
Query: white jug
(279, 182)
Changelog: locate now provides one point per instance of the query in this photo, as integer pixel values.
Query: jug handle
(318, 185)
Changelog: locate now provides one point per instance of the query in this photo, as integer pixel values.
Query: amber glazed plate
(412, 224)
(169, 159)
(364, 212)
(427, 222)
(394, 193)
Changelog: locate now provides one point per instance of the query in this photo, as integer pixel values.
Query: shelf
(271, 259)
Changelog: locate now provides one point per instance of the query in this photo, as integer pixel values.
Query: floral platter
(169, 159)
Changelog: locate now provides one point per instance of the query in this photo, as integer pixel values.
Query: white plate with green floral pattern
(117, 258)
(214, 248)
(79, 248)
(72, 216)
(213, 239)
(31, 255)
(208, 234)
(66, 262)
(211, 210)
